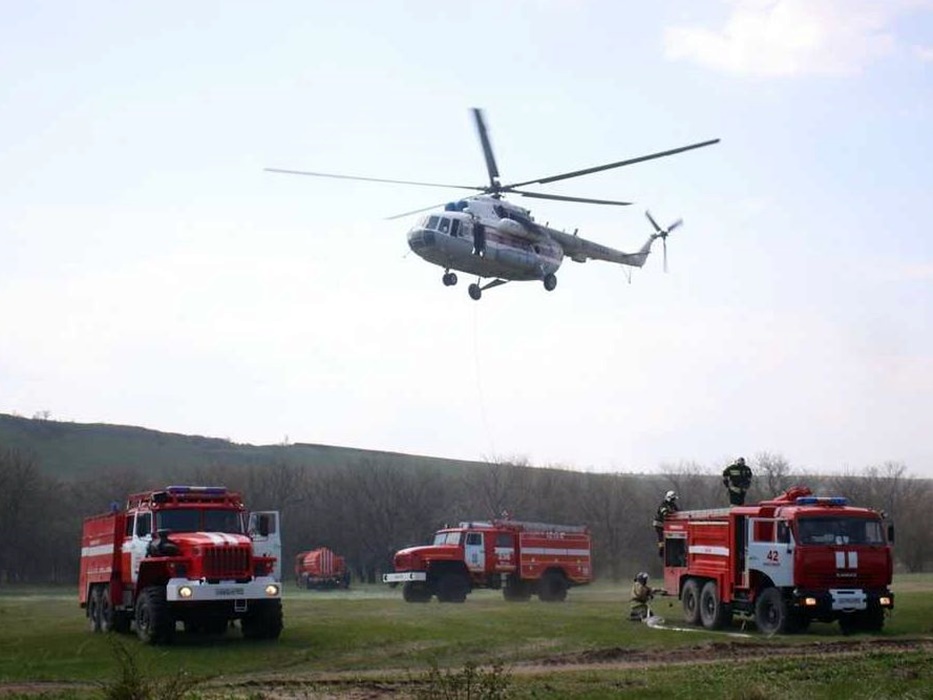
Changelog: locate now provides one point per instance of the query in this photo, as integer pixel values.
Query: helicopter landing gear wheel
(550, 282)
(475, 292)
(449, 279)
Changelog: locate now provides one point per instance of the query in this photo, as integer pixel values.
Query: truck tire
(771, 613)
(93, 609)
(552, 588)
(416, 592)
(154, 622)
(452, 588)
(263, 620)
(106, 609)
(714, 613)
(690, 597)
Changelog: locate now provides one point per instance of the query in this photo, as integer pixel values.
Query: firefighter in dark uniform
(737, 478)
(668, 506)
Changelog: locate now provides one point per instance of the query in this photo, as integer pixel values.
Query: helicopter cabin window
(432, 222)
(444, 225)
(455, 228)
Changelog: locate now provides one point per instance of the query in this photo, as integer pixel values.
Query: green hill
(71, 450)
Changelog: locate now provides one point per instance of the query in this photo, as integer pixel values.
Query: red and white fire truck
(521, 558)
(784, 562)
(190, 554)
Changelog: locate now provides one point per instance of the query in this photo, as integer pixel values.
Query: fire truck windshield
(197, 520)
(447, 538)
(839, 530)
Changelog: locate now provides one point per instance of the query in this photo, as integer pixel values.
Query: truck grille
(227, 562)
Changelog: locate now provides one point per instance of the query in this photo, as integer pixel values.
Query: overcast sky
(152, 274)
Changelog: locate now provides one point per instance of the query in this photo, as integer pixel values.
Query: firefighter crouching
(668, 506)
(641, 594)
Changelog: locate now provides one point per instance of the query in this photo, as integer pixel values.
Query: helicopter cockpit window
(444, 225)
(432, 222)
(455, 228)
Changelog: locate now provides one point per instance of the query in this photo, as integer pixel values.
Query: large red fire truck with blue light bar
(521, 558)
(784, 562)
(189, 554)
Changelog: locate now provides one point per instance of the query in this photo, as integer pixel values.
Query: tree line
(367, 509)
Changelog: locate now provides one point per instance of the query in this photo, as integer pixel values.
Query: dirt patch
(396, 683)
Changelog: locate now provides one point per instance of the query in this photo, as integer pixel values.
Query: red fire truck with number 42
(784, 562)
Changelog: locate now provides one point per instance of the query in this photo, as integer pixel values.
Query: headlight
(809, 601)
(884, 601)
(185, 592)
(272, 590)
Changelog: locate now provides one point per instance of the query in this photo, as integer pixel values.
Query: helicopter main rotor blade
(414, 211)
(610, 166)
(374, 179)
(487, 149)
(566, 198)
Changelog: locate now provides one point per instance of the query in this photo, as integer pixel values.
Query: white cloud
(792, 37)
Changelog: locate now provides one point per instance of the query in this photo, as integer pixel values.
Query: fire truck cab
(784, 562)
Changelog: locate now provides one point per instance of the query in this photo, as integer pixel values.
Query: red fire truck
(784, 562)
(191, 554)
(521, 558)
(321, 568)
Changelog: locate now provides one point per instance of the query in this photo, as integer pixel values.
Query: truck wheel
(106, 609)
(154, 623)
(93, 609)
(690, 597)
(771, 614)
(713, 612)
(263, 620)
(552, 588)
(452, 588)
(416, 592)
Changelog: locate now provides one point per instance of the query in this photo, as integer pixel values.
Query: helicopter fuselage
(494, 245)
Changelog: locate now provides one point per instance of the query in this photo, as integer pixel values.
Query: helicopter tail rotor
(663, 233)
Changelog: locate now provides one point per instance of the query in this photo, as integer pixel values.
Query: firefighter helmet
(642, 578)
(670, 496)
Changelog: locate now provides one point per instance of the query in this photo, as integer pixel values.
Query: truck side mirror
(890, 533)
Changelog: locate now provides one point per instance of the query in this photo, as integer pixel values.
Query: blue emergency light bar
(209, 490)
(821, 500)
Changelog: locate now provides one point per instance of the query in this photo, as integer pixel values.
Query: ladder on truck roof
(526, 525)
(699, 514)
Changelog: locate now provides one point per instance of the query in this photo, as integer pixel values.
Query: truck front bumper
(182, 590)
(842, 600)
(405, 576)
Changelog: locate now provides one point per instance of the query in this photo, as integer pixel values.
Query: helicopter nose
(419, 239)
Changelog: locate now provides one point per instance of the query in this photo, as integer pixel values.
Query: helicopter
(488, 236)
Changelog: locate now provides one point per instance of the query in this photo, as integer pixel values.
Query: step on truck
(784, 562)
(520, 558)
(188, 554)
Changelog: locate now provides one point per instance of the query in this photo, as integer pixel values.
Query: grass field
(368, 643)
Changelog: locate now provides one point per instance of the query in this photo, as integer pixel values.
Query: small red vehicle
(321, 568)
